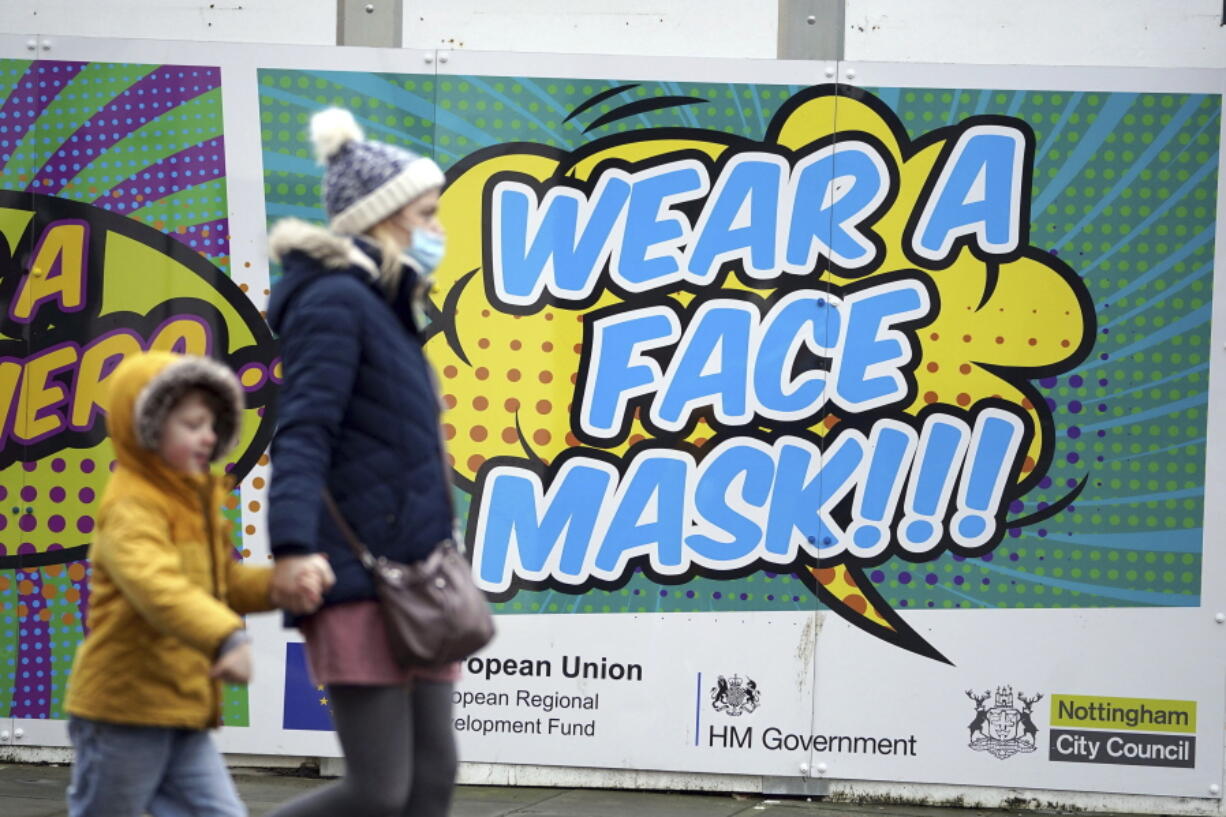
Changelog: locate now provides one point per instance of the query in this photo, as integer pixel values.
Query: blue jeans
(126, 771)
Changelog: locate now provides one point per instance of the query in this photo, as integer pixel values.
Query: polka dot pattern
(185, 168)
(144, 141)
(42, 610)
(1133, 220)
(35, 87)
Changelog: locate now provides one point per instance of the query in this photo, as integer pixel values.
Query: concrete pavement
(38, 791)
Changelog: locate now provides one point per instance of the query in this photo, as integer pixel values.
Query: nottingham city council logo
(1005, 728)
(735, 695)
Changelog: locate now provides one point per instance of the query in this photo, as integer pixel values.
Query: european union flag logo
(306, 705)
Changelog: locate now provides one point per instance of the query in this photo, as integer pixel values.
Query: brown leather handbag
(433, 610)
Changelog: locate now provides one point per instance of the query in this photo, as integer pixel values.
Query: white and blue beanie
(365, 182)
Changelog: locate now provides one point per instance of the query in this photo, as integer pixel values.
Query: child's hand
(299, 582)
(313, 580)
(324, 577)
(235, 666)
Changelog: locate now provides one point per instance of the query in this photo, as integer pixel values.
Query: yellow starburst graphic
(510, 378)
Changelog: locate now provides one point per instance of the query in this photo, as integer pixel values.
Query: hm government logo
(735, 695)
(1005, 728)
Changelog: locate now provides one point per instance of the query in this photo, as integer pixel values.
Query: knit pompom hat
(365, 182)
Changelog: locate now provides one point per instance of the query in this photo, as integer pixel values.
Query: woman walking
(359, 418)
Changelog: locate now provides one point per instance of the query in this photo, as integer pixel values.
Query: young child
(165, 597)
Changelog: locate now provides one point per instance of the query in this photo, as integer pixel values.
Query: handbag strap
(360, 550)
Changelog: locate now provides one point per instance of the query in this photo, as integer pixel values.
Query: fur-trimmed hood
(144, 389)
(329, 251)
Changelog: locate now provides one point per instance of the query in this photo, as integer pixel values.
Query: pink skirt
(347, 644)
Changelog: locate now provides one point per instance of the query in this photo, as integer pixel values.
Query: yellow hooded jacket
(165, 590)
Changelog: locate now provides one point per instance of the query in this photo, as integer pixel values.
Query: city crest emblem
(735, 695)
(1005, 728)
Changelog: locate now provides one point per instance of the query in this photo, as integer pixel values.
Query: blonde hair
(390, 269)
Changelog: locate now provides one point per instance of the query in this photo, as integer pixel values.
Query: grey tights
(400, 756)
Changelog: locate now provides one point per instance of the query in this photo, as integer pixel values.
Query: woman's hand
(299, 582)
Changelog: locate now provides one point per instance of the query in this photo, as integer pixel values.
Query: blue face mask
(426, 250)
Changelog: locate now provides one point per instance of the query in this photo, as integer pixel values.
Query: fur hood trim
(329, 249)
(167, 387)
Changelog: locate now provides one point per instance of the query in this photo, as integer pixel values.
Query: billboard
(805, 428)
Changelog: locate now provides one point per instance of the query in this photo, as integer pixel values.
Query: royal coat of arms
(735, 695)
